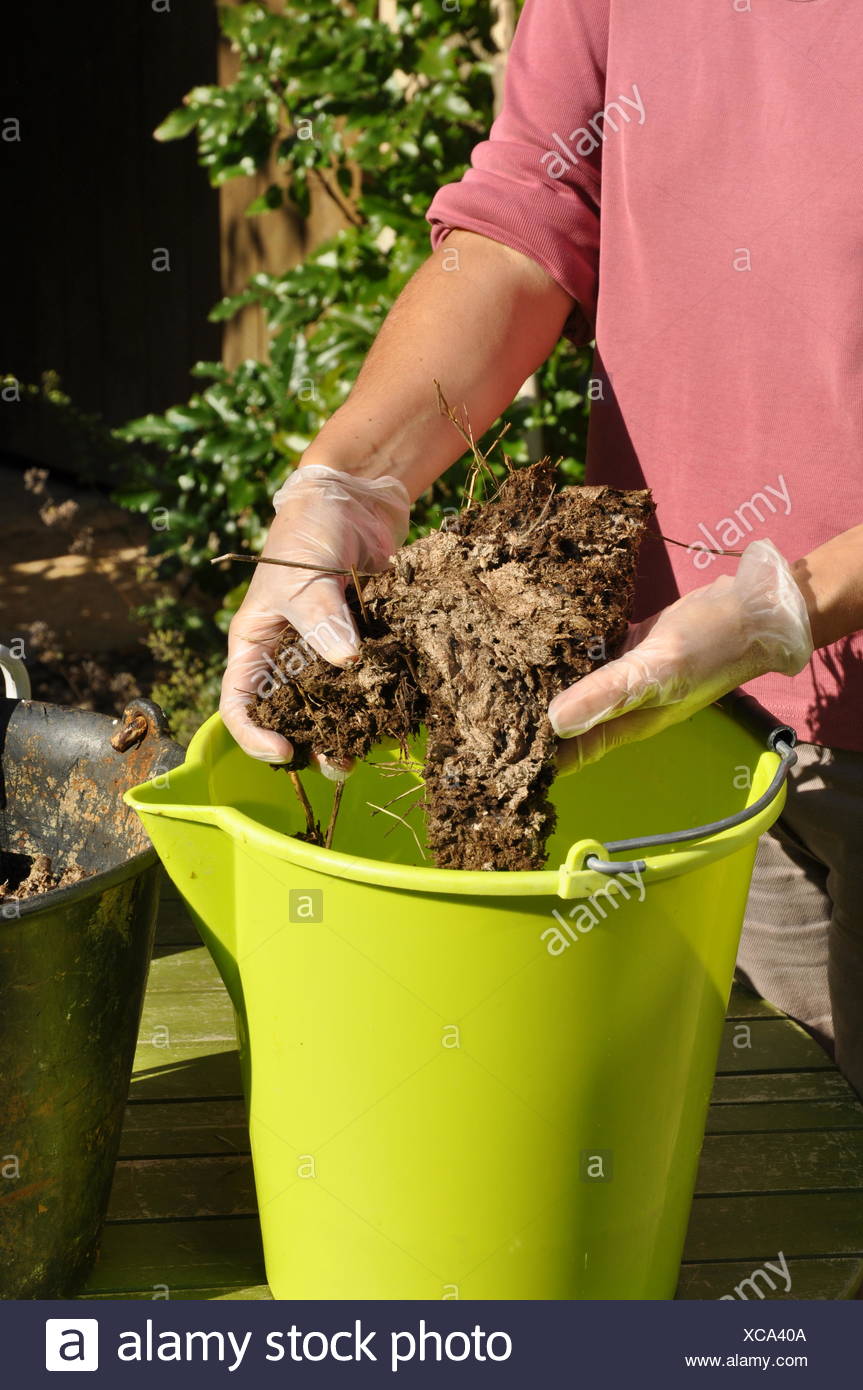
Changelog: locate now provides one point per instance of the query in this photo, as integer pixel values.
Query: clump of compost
(470, 632)
(26, 876)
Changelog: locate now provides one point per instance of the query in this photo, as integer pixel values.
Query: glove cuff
(386, 490)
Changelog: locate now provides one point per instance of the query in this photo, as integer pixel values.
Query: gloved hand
(687, 656)
(327, 518)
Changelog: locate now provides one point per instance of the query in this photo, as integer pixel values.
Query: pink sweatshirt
(691, 172)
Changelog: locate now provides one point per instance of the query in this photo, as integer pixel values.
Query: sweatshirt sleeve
(534, 184)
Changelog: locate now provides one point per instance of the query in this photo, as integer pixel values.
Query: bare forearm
(479, 321)
(831, 580)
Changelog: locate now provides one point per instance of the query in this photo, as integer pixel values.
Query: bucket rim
(570, 879)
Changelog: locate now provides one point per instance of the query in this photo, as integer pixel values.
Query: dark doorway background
(90, 199)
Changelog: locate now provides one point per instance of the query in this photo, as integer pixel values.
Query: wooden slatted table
(781, 1169)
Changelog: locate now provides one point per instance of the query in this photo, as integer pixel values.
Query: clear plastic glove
(687, 656)
(324, 518)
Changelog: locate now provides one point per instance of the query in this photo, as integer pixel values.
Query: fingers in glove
(573, 754)
(242, 675)
(242, 681)
(622, 685)
(320, 613)
(332, 768)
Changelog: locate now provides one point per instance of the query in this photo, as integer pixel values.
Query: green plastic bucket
(473, 1085)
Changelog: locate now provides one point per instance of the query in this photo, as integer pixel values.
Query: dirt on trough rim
(25, 876)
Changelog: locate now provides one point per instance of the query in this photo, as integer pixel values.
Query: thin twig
(396, 769)
(413, 807)
(359, 593)
(311, 823)
(350, 213)
(288, 564)
(687, 545)
(494, 443)
(404, 823)
(311, 713)
(407, 791)
(480, 459)
(409, 662)
(334, 814)
(476, 472)
(539, 520)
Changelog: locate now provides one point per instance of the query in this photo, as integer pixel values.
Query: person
(681, 181)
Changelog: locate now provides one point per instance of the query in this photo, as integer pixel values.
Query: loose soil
(26, 876)
(471, 632)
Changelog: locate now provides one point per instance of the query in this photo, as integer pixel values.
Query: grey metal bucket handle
(779, 738)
